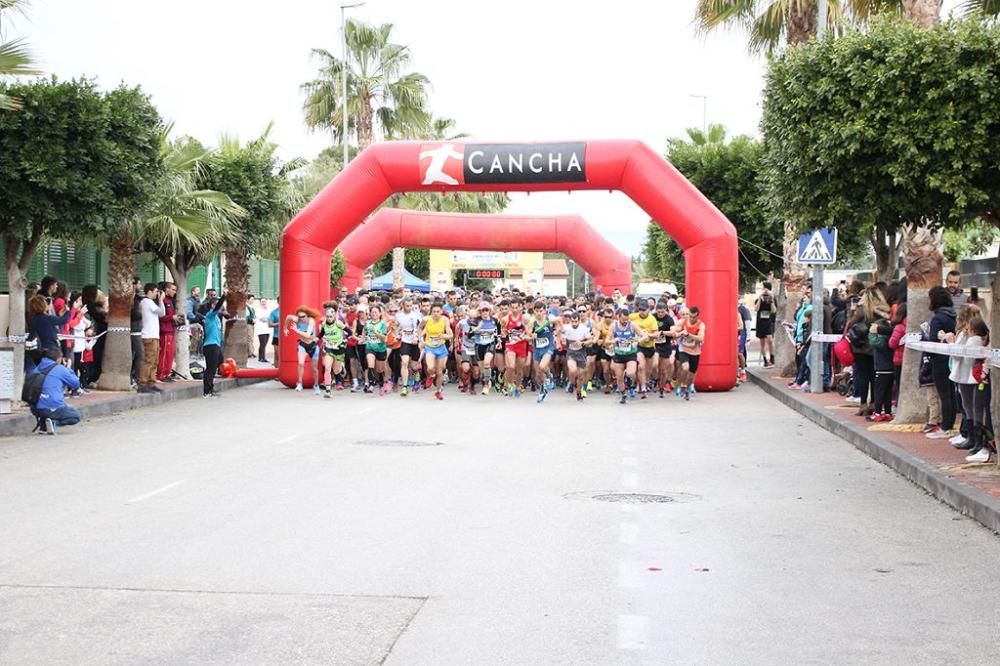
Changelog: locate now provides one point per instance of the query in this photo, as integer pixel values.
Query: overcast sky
(525, 70)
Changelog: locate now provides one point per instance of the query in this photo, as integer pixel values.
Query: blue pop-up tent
(410, 281)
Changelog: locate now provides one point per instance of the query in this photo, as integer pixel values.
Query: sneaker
(317, 390)
(642, 395)
(215, 395)
(930, 427)
(298, 388)
(207, 395)
(542, 393)
(874, 418)
(340, 386)
(854, 399)
(687, 394)
(886, 418)
(958, 440)
(403, 392)
(327, 394)
(50, 429)
(939, 434)
(517, 392)
(624, 399)
(439, 395)
(607, 389)
(579, 395)
(980, 456)
(385, 388)
(582, 393)
(486, 388)
(155, 389)
(631, 394)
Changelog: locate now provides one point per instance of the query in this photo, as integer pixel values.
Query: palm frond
(983, 8)
(16, 60)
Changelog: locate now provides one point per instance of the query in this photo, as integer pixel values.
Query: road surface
(270, 527)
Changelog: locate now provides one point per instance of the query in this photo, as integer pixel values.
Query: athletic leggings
(864, 373)
(945, 390)
(882, 400)
(394, 365)
(262, 347)
(212, 356)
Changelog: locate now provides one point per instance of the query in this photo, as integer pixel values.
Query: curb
(23, 422)
(965, 499)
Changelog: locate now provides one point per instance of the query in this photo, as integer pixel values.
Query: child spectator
(897, 343)
(878, 337)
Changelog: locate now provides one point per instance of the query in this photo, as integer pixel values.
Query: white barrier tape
(826, 337)
(64, 336)
(958, 351)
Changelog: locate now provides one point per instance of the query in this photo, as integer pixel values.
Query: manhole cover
(395, 442)
(634, 498)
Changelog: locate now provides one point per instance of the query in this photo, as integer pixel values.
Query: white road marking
(632, 632)
(628, 533)
(630, 480)
(155, 492)
(629, 575)
(290, 438)
(629, 461)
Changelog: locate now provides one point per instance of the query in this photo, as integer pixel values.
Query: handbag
(842, 350)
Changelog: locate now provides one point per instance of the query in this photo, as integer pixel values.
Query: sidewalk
(103, 403)
(933, 464)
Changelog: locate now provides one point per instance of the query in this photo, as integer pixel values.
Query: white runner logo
(439, 157)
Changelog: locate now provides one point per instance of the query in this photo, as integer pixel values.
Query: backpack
(31, 392)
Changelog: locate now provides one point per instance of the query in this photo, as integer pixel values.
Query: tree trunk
(398, 265)
(17, 269)
(237, 283)
(995, 371)
(801, 23)
(924, 14)
(922, 262)
(886, 246)
(116, 369)
(790, 294)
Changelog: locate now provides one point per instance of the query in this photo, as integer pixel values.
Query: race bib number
(625, 345)
(765, 314)
(436, 341)
(541, 343)
(486, 338)
(407, 331)
(576, 346)
(516, 336)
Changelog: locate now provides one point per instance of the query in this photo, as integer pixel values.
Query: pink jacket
(897, 344)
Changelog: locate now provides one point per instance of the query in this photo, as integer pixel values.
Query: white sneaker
(958, 440)
(298, 387)
(983, 455)
(316, 389)
(940, 434)
(854, 399)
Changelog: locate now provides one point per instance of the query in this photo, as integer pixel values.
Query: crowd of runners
(505, 343)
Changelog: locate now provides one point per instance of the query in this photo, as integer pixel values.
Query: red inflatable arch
(706, 236)
(569, 234)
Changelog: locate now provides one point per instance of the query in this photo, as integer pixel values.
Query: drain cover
(395, 442)
(634, 498)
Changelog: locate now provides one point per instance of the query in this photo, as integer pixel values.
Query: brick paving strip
(104, 403)
(933, 464)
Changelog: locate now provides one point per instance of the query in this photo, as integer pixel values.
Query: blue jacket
(942, 320)
(52, 387)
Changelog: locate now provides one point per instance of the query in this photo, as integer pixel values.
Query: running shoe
(569, 388)
(631, 394)
(579, 395)
(642, 395)
(623, 399)
(542, 393)
(661, 392)
(582, 393)
(607, 389)
(981, 456)
(428, 382)
(928, 428)
(327, 394)
(687, 394)
(368, 388)
(692, 389)
(439, 395)
(385, 389)
(939, 434)
(590, 385)
(340, 386)
(316, 390)
(486, 388)
(517, 392)
(50, 427)
(298, 387)
(403, 392)
(549, 385)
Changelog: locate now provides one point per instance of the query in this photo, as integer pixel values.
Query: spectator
(48, 288)
(766, 316)
(80, 322)
(802, 343)
(953, 282)
(209, 311)
(942, 323)
(274, 323)
(135, 321)
(46, 327)
(871, 307)
(878, 337)
(51, 409)
(191, 306)
(961, 372)
(925, 378)
(151, 308)
(262, 330)
(981, 432)
(251, 320)
(168, 326)
(897, 343)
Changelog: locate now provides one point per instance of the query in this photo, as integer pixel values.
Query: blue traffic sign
(819, 246)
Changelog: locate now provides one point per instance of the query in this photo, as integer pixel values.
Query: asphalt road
(271, 527)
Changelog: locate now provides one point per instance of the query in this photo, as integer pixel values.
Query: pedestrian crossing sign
(819, 246)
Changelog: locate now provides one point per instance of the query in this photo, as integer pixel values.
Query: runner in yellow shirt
(648, 359)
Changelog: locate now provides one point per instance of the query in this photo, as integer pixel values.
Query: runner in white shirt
(575, 335)
(408, 319)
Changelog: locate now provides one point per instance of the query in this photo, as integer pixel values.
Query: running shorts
(741, 346)
(379, 355)
(437, 352)
(469, 356)
(623, 359)
(691, 359)
(665, 350)
(593, 350)
(311, 349)
(603, 354)
(539, 353)
(410, 349)
(647, 351)
(560, 352)
(336, 354)
(579, 356)
(483, 350)
(519, 349)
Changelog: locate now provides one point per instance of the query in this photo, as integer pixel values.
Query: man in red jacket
(168, 324)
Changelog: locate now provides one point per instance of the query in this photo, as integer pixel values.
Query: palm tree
(15, 59)
(716, 134)
(184, 226)
(985, 8)
(380, 91)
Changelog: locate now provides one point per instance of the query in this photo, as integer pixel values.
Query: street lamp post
(704, 112)
(343, 72)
